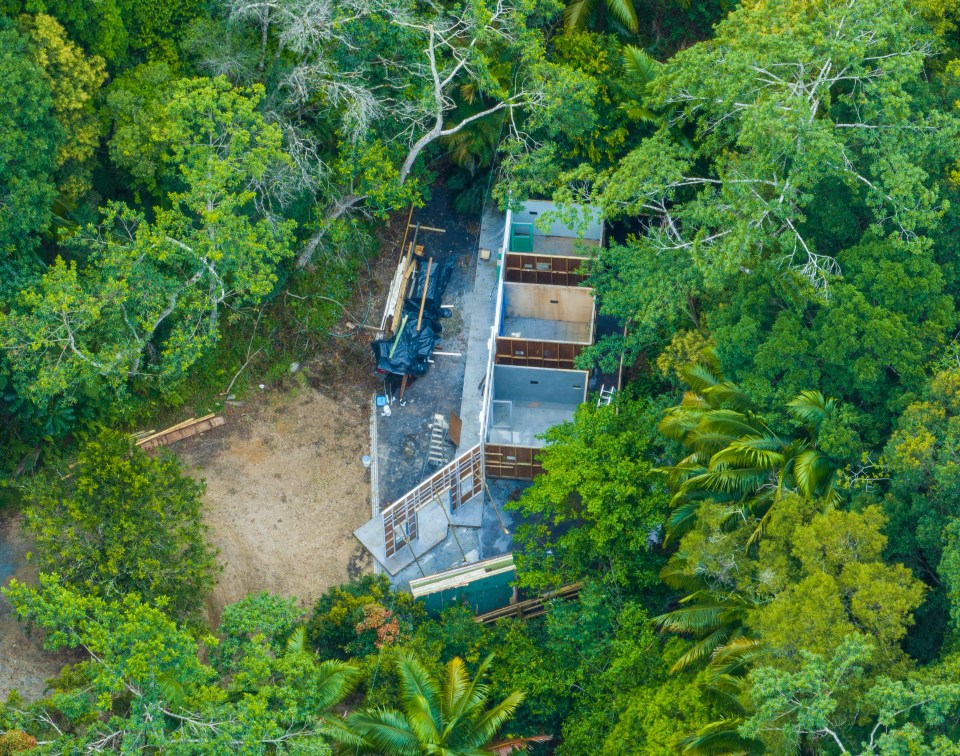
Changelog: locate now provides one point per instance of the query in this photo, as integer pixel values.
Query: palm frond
(471, 695)
(760, 452)
(700, 377)
(171, 689)
(678, 422)
(510, 745)
(332, 682)
(577, 14)
(625, 13)
(386, 730)
(729, 395)
(735, 658)
(640, 67)
(811, 470)
(703, 649)
(719, 737)
(699, 620)
(297, 642)
(741, 482)
(486, 726)
(811, 408)
(682, 519)
(416, 682)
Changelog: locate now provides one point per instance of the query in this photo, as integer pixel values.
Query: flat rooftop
(517, 423)
(537, 329)
(561, 245)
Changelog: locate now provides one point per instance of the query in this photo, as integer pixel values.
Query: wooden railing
(534, 607)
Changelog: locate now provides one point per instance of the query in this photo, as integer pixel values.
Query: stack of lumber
(460, 577)
(178, 432)
(532, 607)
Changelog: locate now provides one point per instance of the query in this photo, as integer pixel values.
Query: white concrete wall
(529, 384)
(533, 209)
(549, 302)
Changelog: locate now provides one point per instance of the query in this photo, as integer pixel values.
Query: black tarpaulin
(406, 353)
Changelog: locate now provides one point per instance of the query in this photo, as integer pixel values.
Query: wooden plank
(182, 431)
(423, 299)
(531, 608)
(404, 283)
(456, 426)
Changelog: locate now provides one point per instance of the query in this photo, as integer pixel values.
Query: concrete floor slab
(469, 515)
(546, 330)
(482, 304)
(494, 536)
(526, 421)
(562, 245)
(432, 531)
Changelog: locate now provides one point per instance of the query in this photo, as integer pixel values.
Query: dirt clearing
(285, 491)
(24, 665)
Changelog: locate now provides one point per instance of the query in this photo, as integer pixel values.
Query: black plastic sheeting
(440, 273)
(407, 351)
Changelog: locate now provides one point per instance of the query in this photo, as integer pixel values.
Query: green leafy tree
(596, 507)
(921, 503)
(813, 580)
(144, 686)
(359, 130)
(30, 136)
(868, 345)
(439, 716)
(136, 103)
(785, 105)
(807, 708)
(360, 617)
(149, 300)
(121, 522)
(74, 81)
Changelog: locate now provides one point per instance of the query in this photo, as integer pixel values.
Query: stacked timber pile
(188, 428)
(534, 607)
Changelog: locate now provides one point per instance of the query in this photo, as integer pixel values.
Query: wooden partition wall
(543, 269)
(460, 481)
(542, 354)
(514, 462)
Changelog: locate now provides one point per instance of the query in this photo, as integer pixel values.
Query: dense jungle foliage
(766, 521)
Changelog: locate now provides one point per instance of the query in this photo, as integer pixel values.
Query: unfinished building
(525, 340)
(543, 320)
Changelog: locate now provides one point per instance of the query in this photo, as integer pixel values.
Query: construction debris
(180, 431)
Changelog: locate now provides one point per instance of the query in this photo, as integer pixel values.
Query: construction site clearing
(474, 372)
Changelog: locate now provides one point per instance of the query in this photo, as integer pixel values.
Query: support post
(423, 298)
(493, 503)
(413, 553)
(453, 528)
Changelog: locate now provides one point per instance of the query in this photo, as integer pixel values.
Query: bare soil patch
(24, 665)
(285, 491)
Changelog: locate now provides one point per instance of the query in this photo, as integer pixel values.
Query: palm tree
(579, 12)
(448, 717)
(735, 458)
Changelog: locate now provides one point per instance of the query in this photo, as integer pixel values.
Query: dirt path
(285, 491)
(24, 665)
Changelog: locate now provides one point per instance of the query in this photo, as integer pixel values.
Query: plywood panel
(461, 480)
(513, 462)
(548, 302)
(541, 354)
(544, 269)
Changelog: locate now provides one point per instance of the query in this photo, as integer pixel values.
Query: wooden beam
(423, 299)
(430, 228)
(181, 431)
(406, 229)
